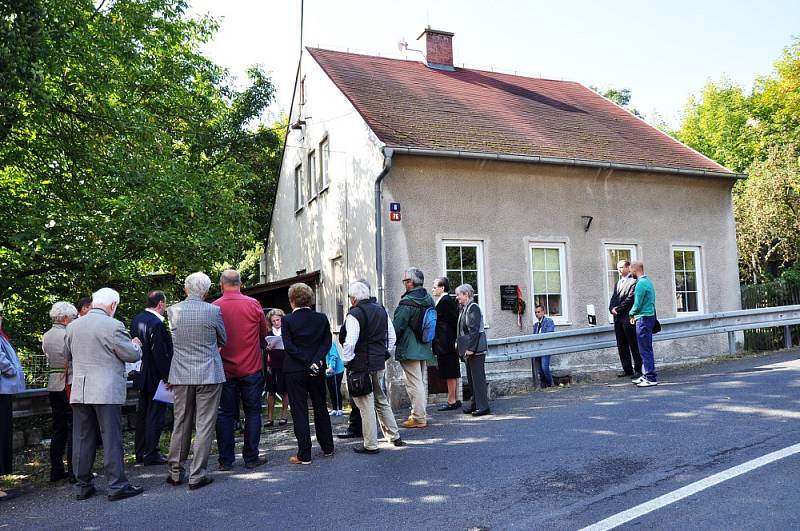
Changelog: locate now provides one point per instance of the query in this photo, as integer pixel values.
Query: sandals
(283, 422)
(269, 423)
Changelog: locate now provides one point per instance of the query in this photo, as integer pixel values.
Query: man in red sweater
(245, 326)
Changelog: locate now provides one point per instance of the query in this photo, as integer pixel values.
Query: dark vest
(370, 348)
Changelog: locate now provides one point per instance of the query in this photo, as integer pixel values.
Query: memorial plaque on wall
(508, 297)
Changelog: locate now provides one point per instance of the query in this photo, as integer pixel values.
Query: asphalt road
(561, 459)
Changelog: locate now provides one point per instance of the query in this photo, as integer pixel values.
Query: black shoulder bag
(359, 383)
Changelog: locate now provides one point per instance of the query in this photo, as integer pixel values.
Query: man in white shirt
(369, 338)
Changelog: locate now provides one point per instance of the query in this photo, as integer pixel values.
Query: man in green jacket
(643, 315)
(410, 351)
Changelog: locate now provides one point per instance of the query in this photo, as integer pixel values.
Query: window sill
(299, 210)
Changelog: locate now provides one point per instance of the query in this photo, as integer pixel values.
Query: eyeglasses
(406, 280)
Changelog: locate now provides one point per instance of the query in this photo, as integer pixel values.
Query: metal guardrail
(599, 337)
(32, 402)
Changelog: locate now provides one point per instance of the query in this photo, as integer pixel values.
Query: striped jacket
(197, 334)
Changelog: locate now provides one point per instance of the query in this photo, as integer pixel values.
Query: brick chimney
(438, 48)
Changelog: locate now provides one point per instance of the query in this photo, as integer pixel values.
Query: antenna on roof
(402, 46)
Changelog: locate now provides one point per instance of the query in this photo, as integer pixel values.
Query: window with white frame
(324, 157)
(311, 168)
(688, 281)
(614, 253)
(463, 264)
(299, 187)
(549, 279)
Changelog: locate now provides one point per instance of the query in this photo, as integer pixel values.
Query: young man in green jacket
(643, 315)
(410, 351)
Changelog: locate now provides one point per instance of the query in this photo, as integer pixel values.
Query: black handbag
(656, 324)
(359, 383)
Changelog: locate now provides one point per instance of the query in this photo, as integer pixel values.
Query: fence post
(787, 336)
(732, 343)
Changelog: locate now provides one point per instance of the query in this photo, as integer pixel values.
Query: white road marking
(693, 488)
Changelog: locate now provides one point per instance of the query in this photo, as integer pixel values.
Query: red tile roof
(410, 105)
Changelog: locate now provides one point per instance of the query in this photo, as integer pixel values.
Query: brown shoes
(413, 423)
(296, 461)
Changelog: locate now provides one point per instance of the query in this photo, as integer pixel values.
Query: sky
(663, 51)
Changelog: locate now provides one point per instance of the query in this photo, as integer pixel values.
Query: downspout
(387, 165)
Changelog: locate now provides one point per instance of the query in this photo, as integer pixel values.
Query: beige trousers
(376, 402)
(415, 386)
(195, 407)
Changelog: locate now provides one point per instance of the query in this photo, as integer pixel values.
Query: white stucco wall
(316, 235)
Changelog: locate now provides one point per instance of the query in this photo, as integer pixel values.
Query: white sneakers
(336, 413)
(643, 382)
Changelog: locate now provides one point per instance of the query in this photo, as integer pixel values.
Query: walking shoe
(204, 481)
(86, 494)
(399, 442)
(349, 435)
(413, 423)
(296, 461)
(637, 381)
(624, 374)
(128, 491)
(224, 468)
(450, 407)
(646, 383)
(361, 449)
(255, 464)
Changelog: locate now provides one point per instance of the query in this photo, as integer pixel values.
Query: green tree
(126, 152)
(718, 124)
(621, 97)
(768, 212)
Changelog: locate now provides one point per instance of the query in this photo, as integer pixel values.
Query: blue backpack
(424, 326)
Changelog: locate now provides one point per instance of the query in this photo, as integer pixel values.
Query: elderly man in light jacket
(196, 377)
(99, 346)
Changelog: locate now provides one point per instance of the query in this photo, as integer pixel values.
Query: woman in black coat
(444, 342)
(306, 339)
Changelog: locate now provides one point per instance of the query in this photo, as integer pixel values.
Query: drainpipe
(387, 164)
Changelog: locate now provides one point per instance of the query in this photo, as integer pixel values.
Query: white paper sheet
(163, 394)
(275, 342)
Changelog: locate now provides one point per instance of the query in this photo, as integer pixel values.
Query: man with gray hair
(59, 376)
(411, 351)
(245, 327)
(370, 336)
(99, 347)
(195, 376)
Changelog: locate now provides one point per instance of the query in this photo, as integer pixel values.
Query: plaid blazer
(197, 334)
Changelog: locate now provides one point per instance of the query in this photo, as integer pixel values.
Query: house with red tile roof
(496, 180)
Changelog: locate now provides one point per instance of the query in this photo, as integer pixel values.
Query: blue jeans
(545, 376)
(250, 389)
(644, 336)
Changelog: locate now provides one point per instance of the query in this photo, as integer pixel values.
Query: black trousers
(149, 424)
(6, 435)
(354, 422)
(334, 384)
(61, 440)
(88, 421)
(627, 344)
(299, 386)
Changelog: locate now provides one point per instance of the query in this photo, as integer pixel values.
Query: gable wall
(318, 234)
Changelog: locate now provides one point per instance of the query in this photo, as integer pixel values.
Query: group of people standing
(206, 358)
